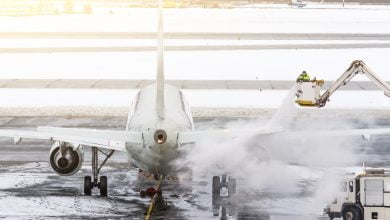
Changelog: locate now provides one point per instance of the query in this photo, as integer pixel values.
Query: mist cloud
(278, 163)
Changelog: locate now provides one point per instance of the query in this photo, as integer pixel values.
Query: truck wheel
(352, 213)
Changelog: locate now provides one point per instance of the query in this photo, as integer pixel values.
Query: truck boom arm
(356, 67)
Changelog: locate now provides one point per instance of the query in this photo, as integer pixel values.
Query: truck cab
(367, 196)
(346, 195)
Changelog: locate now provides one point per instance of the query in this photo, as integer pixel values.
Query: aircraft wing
(108, 139)
(365, 133)
(193, 136)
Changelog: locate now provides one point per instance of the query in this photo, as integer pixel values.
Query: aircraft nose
(160, 136)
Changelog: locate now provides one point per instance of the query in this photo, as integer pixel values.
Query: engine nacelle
(67, 162)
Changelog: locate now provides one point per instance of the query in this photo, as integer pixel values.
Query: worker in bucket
(304, 77)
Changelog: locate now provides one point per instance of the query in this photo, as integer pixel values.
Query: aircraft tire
(216, 185)
(232, 186)
(223, 213)
(87, 185)
(103, 186)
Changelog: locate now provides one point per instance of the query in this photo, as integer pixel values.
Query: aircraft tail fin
(160, 81)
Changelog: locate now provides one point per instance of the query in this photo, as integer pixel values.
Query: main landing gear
(102, 185)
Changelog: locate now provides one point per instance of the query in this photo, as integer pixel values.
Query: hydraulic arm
(308, 92)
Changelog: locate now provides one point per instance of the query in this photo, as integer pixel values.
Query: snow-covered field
(31, 43)
(261, 64)
(89, 98)
(233, 65)
(271, 64)
(361, 19)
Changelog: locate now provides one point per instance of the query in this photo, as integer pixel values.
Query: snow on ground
(32, 43)
(23, 179)
(197, 98)
(319, 5)
(42, 206)
(349, 20)
(9, 181)
(235, 65)
(325, 64)
(206, 65)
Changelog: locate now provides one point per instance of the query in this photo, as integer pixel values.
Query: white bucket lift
(308, 93)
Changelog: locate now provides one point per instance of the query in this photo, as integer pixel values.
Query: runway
(29, 188)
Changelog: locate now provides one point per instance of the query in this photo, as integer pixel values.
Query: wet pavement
(29, 188)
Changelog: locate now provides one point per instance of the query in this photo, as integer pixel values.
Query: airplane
(159, 125)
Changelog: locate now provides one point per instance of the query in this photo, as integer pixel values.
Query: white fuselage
(152, 156)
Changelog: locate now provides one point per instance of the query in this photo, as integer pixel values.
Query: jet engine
(64, 159)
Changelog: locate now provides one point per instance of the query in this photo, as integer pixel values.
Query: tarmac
(30, 189)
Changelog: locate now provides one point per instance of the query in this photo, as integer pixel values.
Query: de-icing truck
(364, 197)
